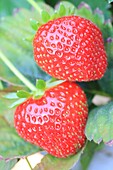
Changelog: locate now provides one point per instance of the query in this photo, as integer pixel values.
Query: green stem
(35, 5)
(16, 72)
(29, 163)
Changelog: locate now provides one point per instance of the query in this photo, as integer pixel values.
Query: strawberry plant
(53, 62)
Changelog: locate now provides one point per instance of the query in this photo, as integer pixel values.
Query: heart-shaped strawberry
(70, 48)
(56, 121)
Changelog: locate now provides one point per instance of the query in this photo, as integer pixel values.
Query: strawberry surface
(56, 121)
(70, 48)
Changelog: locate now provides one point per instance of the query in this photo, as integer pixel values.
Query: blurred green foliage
(102, 5)
(8, 7)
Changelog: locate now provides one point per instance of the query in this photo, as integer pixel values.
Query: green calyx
(60, 12)
(41, 86)
(64, 8)
(23, 94)
(34, 24)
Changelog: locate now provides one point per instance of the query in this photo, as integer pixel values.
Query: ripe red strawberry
(70, 48)
(55, 122)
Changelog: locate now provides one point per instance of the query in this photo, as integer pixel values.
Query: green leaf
(23, 94)
(5, 165)
(4, 107)
(109, 47)
(45, 16)
(11, 144)
(62, 10)
(102, 5)
(100, 124)
(13, 45)
(50, 162)
(106, 83)
(12, 6)
(6, 114)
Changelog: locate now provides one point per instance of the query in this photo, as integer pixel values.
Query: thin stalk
(16, 72)
(29, 163)
(35, 5)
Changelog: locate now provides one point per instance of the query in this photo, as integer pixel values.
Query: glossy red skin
(70, 48)
(55, 122)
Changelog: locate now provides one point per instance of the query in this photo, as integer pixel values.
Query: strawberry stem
(35, 5)
(29, 163)
(16, 72)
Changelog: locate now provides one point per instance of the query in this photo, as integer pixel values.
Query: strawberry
(70, 48)
(56, 121)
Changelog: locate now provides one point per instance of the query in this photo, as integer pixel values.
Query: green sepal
(71, 11)
(29, 39)
(62, 10)
(70, 8)
(40, 84)
(19, 101)
(23, 94)
(34, 24)
(50, 84)
(38, 95)
(45, 16)
(55, 15)
(52, 79)
(11, 95)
